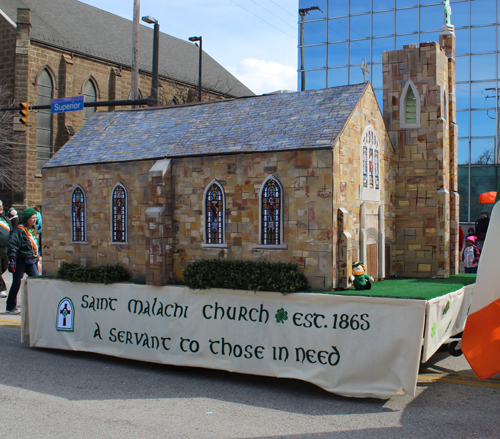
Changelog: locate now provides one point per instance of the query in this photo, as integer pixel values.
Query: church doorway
(372, 262)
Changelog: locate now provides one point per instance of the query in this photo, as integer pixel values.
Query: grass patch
(425, 289)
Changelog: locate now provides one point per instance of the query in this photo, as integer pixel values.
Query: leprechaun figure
(359, 277)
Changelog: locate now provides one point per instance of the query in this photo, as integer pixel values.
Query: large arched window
(214, 210)
(45, 88)
(89, 95)
(409, 106)
(370, 156)
(119, 214)
(78, 215)
(271, 212)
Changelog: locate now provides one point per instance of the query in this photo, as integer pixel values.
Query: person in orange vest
(23, 255)
(5, 229)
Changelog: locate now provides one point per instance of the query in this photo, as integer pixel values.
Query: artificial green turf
(413, 288)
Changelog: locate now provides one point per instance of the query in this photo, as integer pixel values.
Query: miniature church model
(318, 178)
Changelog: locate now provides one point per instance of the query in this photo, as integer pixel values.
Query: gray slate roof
(78, 27)
(288, 121)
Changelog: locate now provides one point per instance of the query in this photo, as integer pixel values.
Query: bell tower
(420, 115)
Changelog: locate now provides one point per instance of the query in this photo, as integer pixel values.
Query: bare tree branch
(12, 158)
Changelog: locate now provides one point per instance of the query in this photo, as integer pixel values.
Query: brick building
(318, 178)
(60, 48)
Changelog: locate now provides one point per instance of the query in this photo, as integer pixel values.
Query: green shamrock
(433, 332)
(281, 316)
(446, 308)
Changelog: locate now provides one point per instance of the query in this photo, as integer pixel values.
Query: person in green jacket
(23, 255)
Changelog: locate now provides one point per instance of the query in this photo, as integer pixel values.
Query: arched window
(271, 212)
(371, 159)
(119, 214)
(45, 89)
(89, 95)
(214, 208)
(78, 215)
(409, 106)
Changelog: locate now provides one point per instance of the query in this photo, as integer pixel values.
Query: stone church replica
(317, 178)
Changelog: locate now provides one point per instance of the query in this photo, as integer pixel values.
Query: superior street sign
(64, 105)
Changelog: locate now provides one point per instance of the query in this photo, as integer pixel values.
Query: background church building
(61, 48)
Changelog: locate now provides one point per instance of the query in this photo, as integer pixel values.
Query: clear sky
(256, 40)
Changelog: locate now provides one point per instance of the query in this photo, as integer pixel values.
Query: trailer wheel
(452, 349)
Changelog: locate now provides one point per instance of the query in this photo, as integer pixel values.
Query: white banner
(446, 316)
(349, 345)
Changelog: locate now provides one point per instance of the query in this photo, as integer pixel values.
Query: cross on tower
(364, 69)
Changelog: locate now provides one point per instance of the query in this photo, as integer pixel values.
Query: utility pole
(200, 39)
(303, 12)
(135, 50)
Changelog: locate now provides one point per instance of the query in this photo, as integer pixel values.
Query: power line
(262, 19)
(289, 13)
(279, 18)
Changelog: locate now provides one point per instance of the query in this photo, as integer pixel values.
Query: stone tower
(420, 115)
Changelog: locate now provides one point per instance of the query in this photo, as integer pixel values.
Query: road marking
(463, 379)
(7, 322)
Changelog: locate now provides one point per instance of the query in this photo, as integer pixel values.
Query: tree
(485, 158)
(11, 151)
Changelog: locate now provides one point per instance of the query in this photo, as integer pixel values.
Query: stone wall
(7, 75)
(98, 182)
(7, 54)
(162, 239)
(306, 177)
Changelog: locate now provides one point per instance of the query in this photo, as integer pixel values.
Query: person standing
(5, 229)
(23, 256)
(481, 228)
(14, 219)
(470, 256)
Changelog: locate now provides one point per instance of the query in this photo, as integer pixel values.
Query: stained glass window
(271, 213)
(214, 215)
(371, 160)
(78, 215)
(119, 214)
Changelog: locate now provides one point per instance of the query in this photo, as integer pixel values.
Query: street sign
(64, 105)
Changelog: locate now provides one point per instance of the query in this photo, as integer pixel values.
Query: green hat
(357, 263)
(27, 214)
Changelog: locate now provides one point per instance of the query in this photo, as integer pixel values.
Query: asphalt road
(48, 393)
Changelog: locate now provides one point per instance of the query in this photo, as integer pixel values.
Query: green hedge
(105, 274)
(245, 275)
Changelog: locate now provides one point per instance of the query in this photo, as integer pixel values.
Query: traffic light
(25, 113)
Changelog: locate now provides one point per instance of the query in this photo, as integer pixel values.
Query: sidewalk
(6, 318)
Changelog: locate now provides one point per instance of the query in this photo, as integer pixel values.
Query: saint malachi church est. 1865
(318, 178)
